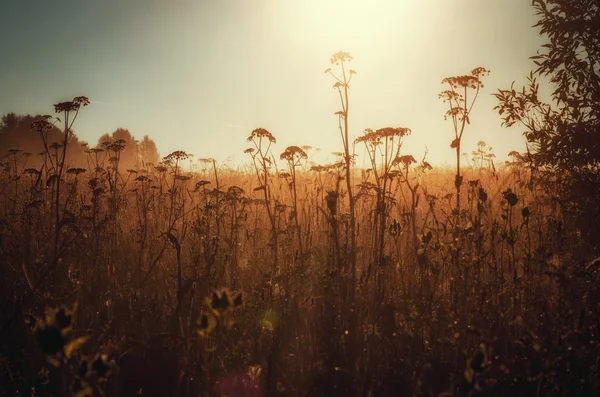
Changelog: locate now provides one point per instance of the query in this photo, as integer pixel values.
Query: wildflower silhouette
(460, 107)
(342, 86)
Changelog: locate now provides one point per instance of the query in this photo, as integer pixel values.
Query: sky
(200, 75)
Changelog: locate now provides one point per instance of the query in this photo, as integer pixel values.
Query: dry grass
(496, 300)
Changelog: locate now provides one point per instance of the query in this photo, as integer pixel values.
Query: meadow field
(162, 281)
(381, 272)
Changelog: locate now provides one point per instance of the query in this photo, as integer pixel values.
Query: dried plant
(460, 107)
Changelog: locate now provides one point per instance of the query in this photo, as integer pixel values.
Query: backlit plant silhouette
(460, 106)
(69, 111)
(383, 148)
(483, 157)
(262, 161)
(293, 155)
(342, 86)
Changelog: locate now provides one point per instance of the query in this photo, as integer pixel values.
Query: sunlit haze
(200, 75)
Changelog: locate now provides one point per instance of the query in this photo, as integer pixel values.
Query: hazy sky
(200, 75)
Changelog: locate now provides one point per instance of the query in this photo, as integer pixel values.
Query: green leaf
(74, 345)
(207, 323)
(469, 373)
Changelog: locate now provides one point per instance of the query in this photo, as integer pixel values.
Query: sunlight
(374, 33)
(320, 26)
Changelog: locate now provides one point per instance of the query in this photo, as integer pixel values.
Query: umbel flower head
(293, 153)
(340, 56)
(73, 105)
(469, 81)
(42, 124)
(261, 133)
(376, 137)
(176, 156)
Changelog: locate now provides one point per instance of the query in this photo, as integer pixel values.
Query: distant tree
(148, 152)
(16, 133)
(129, 152)
(134, 154)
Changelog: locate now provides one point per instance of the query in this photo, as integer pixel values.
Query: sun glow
(365, 26)
(375, 33)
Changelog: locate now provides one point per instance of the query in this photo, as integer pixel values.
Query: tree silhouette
(148, 153)
(15, 133)
(562, 136)
(134, 154)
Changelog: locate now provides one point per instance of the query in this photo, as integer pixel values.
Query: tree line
(16, 133)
